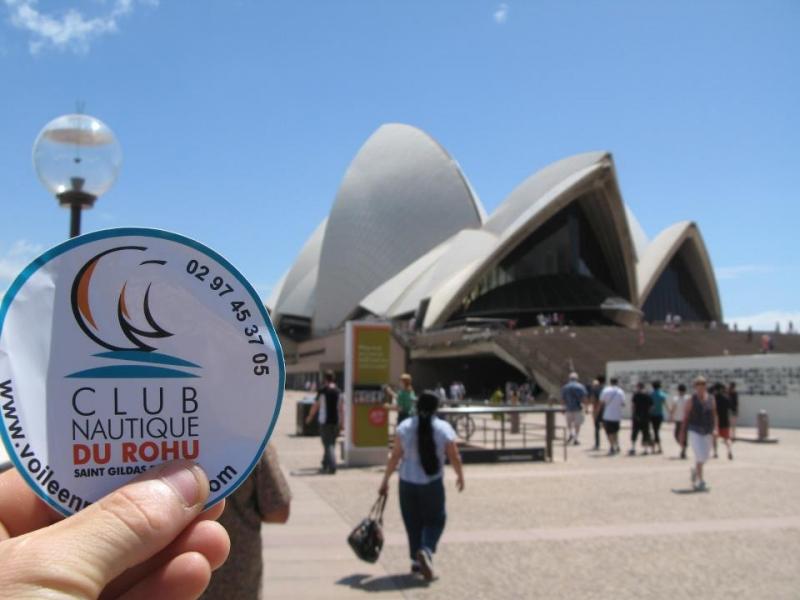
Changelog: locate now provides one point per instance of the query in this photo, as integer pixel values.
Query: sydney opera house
(407, 240)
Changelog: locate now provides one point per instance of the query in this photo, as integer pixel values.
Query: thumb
(129, 525)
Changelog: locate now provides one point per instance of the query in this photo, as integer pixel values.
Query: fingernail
(184, 479)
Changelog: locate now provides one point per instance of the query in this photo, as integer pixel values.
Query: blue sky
(238, 118)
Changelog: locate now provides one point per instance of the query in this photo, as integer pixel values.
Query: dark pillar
(75, 219)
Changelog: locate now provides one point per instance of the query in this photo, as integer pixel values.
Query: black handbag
(366, 539)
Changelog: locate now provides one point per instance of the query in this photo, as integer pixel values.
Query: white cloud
(14, 260)
(742, 270)
(70, 29)
(500, 14)
(765, 321)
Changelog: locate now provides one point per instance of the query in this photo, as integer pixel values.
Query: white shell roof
(446, 274)
(536, 186)
(528, 207)
(402, 196)
(640, 239)
(403, 293)
(406, 227)
(296, 293)
(663, 248)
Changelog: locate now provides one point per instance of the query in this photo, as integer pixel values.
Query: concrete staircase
(551, 353)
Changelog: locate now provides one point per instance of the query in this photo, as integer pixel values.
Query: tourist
(657, 414)
(148, 538)
(595, 391)
(573, 396)
(640, 421)
(404, 399)
(454, 391)
(329, 410)
(613, 400)
(676, 409)
(699, 423)
(440, 392)
(723, 418)
(420, 448)
(733, 398)
(263, 497)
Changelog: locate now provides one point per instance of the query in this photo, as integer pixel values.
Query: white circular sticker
(126, 348)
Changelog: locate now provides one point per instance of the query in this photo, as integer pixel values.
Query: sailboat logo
(132, 333)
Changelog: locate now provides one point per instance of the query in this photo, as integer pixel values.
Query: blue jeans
(424, 515)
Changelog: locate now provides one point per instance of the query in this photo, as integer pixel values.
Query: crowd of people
(700, 419)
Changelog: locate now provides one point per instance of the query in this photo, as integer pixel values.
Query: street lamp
(77, 158)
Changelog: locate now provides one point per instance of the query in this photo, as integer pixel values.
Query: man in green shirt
(404, 398)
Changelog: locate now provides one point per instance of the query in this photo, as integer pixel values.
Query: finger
(21, 510)
(213, 513)
(183, 578)
(127, 527)
(209, 538)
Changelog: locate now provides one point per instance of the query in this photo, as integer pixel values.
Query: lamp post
(77, 158)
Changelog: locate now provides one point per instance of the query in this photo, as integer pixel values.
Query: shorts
(725, 433)
(574, 418)
(611, 426)
(700, 444)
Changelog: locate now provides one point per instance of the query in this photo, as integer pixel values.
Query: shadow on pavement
(308, 472)
(690, 491)
(385, 583)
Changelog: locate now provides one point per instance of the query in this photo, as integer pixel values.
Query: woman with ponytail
(420, 446)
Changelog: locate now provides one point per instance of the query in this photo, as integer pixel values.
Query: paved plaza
(591, 527)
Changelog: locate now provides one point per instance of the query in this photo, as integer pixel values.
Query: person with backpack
(699, 423)
(419, 451)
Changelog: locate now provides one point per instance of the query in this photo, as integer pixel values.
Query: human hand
(384, 489)
(460, 483)
(148, 539)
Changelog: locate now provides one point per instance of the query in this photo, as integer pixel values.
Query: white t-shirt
(613, 398)
(411, 469)
(679, 403)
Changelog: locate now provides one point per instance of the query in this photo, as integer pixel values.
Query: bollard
(763, 426)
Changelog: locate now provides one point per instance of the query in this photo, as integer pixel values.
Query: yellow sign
(372, 345)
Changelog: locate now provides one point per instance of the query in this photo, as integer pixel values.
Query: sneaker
(701, 486)
(415, 567)
(632, 452)
(694, 477)
(576, 442)
(611, 452)
(683, 454)
(425, 563)
(730, 455)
